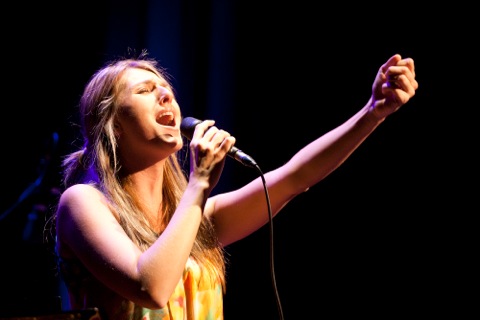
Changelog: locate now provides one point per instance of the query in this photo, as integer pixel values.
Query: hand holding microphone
(187, 127)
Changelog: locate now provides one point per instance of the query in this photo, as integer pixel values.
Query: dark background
(377, 238)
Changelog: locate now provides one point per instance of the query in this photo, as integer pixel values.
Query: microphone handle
(188, 126)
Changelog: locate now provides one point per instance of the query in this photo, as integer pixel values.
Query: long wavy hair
(97, 163)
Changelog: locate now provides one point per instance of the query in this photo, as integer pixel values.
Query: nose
(165, 95)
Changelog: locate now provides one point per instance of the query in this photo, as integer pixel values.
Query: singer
(138, 238)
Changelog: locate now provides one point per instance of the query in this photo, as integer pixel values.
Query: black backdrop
(368, 240)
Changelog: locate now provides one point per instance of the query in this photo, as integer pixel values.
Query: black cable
(272, 248)
(187, 127)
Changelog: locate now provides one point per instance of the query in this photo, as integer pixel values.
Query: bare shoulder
(81, 193)
(83, 212)
(80, 190)
(81, 200)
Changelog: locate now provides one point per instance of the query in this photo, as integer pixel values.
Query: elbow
(155, 299)
(155, 288)
(155, 305)
(157, 293)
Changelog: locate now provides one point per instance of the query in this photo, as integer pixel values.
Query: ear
(117, 129)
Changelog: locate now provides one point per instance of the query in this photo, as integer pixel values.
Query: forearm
(241, 212)
(162, 265)
(323, 155)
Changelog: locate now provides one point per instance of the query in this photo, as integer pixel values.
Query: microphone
(188, 126)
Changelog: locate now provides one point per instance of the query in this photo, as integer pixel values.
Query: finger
(409, 63)
(392, 61)
(393, 81)
(201, 128)
(408, 66)
(394, 74)
(210, 133)
(398, 96)
(222, 141)
(402, 82)
(215, 142)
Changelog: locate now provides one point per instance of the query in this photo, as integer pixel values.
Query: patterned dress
(194, 297)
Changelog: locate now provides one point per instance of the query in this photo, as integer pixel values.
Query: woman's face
(148, 120)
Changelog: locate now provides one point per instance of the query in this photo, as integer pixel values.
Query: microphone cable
(272, 248)
(187, 128)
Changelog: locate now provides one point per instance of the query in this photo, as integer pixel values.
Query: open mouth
(166, 119)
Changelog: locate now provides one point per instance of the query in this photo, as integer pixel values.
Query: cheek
(131, 123)
(131, 116)
(126, 123)
(178, 111)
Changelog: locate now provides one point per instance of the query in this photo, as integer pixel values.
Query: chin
(175, 142)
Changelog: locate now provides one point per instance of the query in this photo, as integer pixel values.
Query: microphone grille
(188, 126)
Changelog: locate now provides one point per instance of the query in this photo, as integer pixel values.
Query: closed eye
(143, 90)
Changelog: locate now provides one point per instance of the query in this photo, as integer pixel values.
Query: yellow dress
(194, 298)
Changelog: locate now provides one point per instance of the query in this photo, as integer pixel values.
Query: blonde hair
(97, 163)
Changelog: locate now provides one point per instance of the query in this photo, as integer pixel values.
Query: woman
(135, 237)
